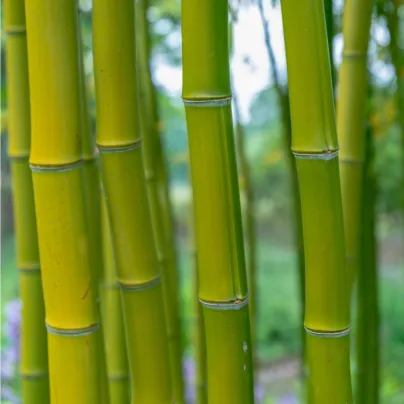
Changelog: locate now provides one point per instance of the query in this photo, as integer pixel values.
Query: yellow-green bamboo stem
(112, 316)
(152, 153)
(71, 313)
(219, 235)
(367, 341)
(315, 146)
(34, 352)
(122, 172)
(198, 329)
(351, 121)
(93, 210)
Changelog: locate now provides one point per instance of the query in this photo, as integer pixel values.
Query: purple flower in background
(188, 365)
(259, 394)
(10, 354)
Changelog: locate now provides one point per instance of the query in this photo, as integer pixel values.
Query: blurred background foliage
(278, 329)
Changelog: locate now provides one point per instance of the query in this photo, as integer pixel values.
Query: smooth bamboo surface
(71, 312)
(315, 146)
(112, 316)
(351, 121)
(34, 351)
(219, 235)
(93, 212)
(153, 160)
(122, 171)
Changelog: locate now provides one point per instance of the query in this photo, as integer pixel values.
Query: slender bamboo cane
(249, 217)
(152, 153)
(93, 212)
(315, 146)
(219, 236)
(71, 312)
(34, 352)
(126, 199)
(199, 328)
(283, 100)
(367, 342)
(351, 119)
(112, 316)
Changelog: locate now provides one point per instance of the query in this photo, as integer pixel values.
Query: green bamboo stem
(367, 341)
(249, 218)
(315, 146)
(329, 22)
(350, 121)
(119, 144)
(93, 209)
(34, 351)
(219, 235)
(198, 329)
(153, 160)
(112, 316)
(56, 163)
(283, 101)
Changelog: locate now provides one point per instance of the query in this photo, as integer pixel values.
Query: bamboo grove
(99, 275)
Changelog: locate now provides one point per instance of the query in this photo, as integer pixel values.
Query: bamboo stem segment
(73, 335)
(122, 171)
(314, 143)
(34, 352)
(153, 161)
(219, 236)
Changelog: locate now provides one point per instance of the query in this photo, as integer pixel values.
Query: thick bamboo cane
(112, 316)
(315, 146)
(71, 312)
(219, 235)
(122, 171)
(153, 159)
(34, 352)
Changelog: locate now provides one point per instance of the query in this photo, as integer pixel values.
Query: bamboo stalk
(315, 146)
(93, 212)
(350, 121)
(153, 159)
(367, 341)
(122, 171)
(112, 316)
(199, 328)
(219, 235)
(34, 351)
(71, 313)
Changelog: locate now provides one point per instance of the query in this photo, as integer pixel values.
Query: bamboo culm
(153, 161)
(93, 212)
(119, 144)
(56, 163)
(34, 352)
(315, 146)
(222, 276)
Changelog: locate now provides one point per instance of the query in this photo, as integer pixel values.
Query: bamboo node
(15, 30)
(328, 334)
(119, 148)
(72, 333)
(234, 305)
(34, 376)
(316, 156)
(139, 287)
(56, 168)
(214, 102)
